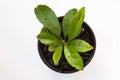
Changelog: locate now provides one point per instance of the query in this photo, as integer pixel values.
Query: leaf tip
(38, 36)
(90, 47)
(79, 67)
(54, 61)
(83, 8)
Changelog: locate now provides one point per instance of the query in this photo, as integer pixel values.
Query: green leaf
(45, 30)
(52, 48)
(48, 39)
(73, 57)
(48, 18)
(67, 19)
(81, 45)
(57, 54)
(76, 24)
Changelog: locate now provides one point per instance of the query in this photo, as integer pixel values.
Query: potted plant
(66, 44)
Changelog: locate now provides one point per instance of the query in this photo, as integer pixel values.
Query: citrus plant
(68, 45)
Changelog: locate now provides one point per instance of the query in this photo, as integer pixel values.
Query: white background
(19, 58)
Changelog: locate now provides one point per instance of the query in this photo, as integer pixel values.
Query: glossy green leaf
(73, 57)
(57, 54)
(67, 19)
(81, 45)
(76, 24)
(48, 18)
(47, 38)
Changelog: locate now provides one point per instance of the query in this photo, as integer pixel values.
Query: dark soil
(63, 66)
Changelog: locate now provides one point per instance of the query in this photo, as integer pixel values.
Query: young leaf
(76, 24)
(47, 38)
(48, 18)
(67, 19)
(57, 54)
(51, 48)
(81, 45)
(73, 57)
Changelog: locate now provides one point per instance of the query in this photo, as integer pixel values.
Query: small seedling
(71, 27)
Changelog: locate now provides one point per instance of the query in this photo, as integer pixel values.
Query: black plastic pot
(63, 66)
